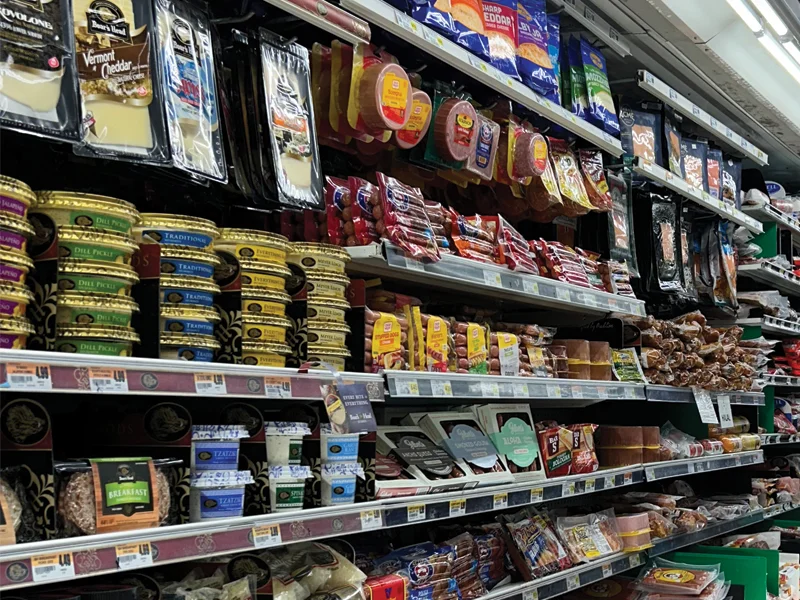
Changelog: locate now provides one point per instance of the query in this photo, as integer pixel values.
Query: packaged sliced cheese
(187, 67)
(119, 87)
(38, 88)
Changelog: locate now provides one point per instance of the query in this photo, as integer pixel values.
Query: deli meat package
(405, 219)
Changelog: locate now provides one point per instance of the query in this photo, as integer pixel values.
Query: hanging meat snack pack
(290, 120)
(470, 27)
(360, 219)
(501, 29)
(472, 238)
(601, 106)
(694, 155)
(533, 59)
(481, 160)
(414, 131)
(405, 221)
(672, 142)
(640, 132)
(714, 164)
(594, 179)
(732, 181)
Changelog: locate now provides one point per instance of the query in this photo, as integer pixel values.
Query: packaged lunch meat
(589, 537)
(640, 132)
(418, 121)
(404, 219)
(470, 27)
(536, 549)
(662, 576)
(472, 238)
(481, 159)
(530, 154)
(359, 212)
(570, 181)
(672, 142)
(454, 129)
(501, 30)
(714, 164)
(602, 112)
(594, 179)
(694, 163)
(365, 100)
(292, 134)
(665, 243)
(732, 181)
(584, 459)
(533, 59)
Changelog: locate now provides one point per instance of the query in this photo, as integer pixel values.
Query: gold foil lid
(16, 224)
(316, 248)
(329, 301)
(16, 325)
(188, 282)
(185, 311)
(17, 189)
(15, 293)
(250, 264)
(179, 222)
(264, 295)
(253, 318)
(16, 260)
(98, 268)
(265, 348)
(228, 235)
(71, 233)
(317, 350)
(208, 342)
(97, 332)
(328, 326)
(320, 275)
(192, 254)
(95, 300)
(75, 200)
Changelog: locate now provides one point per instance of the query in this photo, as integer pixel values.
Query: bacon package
(404, 219)
(513, 249)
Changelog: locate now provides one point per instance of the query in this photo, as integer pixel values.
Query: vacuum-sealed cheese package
(470, 27)
(121, 96)
(38, 87)
(184, 38)
(290, 120)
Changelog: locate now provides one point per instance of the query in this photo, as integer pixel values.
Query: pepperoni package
(405, 220)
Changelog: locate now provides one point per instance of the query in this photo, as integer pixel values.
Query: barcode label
(210, 383)
(500, 501)
(52, 567)
(407, 387)
(106, 381)
(530, 594)
(458, 507)
(278, 387)
(371, 519)
(537, 495)
(573, 581)
(265, 536)
(134, 556)
(416, 513)
(568, 489)
(22, 376)
(441, 388)
(608, 571)
(588, 486)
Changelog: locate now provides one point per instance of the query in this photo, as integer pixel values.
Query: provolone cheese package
(184, 37)
(470, 27)
(116, 54)
(501, 29)
(38, 86)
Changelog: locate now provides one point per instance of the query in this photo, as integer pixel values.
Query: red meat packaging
(513, 249)
(405, 219)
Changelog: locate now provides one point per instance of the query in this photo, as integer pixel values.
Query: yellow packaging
(262, 307)
(416, 338)
(328, 334)
(477, 354)
(436, 345)
(508, 344)
(262, 280)
(321, 312)
(341, 73)
(363, 56)
(387, 346)
(264, 354)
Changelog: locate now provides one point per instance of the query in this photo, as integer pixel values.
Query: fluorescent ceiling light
(766, 10)
(792, 49)
(779, 54)
(743, 10)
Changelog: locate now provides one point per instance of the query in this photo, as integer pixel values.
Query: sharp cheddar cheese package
(120, 92)
(38, 89)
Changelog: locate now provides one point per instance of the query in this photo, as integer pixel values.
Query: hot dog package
(405, 220)
(359, 216)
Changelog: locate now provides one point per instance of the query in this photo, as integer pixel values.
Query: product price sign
(278, 388)
(349, 408)
(588, 485)
(492, 278)
(108, 381)
(500, 501)
(530, 594)
(521, 390)
(27, 377)
(458, 507)
(537, 495)
(407, 23)
(568, 489)
(490, 389)
(636, 560)
(705, 406)
(627, 478)
(52, 567)
(433, 37)
(608, 571)
(371, 519)
(573, 582)
(725, 414)
(441, 388)
(212, 384)
(134, 556)
(266, 536)
(530, 287)
(416, 512)
(407, 387)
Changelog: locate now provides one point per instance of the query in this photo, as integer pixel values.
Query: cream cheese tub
(95, 277)
(327, 334)
(337, 447)
(82, 308)
(14, 233)
(263, 302)
(14, 300)
(88, 211)
(188, 290)
(216, 447)
(14, 267)
(327, 285)
(217, 494)
(339, 483)
(285, 441)
(16, 197)
(89, 244)
(318, 257)
(188, 261)
(193, 320)
(263, 354)
(335, 357)
(264, 328)
(182, 346)
(175, 230)
(253, 246)
(325, 308)
(265, 277)
(287, 485)
(14, 333)
(95, 339)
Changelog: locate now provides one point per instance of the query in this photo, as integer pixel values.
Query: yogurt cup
(318, 257)
(253, 246)
(217, 494)
(91, 244)
(188, 290)
(264, 354)
(264, 302)
(339, 483)
(175, 230)
(89, 211)
(319, 283)
(287, 486)
(326, 308)
(16, 197)
(14, 300)
(95, 339)
(285, 442)
(81, 308)
(14, 267)
(179, 261)
(216, 447)
(337, 447)
(192, 320)
(182, 346)
(328, 334)
(14, 233)
(95, 277)
(264, 328)
(14, 333)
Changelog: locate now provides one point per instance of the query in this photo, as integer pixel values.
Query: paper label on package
(517, 442)
(469, 444)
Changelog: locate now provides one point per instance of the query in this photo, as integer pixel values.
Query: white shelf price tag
(630, 393)
(636, 560)
(266, 536)
(415, 265)
(210, 383)
(650, 474)
(537, 495)
(530, 287)
(500, 501)
(530, 594)
(627, 478)
(407, 387)
(27, 377)
(705, 406)
(568, 489)
(458, 508)
(589, 14)
(493, 279)
(573, 582)
(490, 389)
(441, 388)
(433, 37)
(563, 294)
(371, 519)
(278, 387)
(52, 567)
(521, 390)
(108, 381)
(416, 512)
(134, 556)
(554, 391)
(608, 571)
(407, 23)
(725, 414)
(602, 392)
(588, 486)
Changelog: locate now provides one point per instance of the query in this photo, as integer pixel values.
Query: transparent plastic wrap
(589, 537)
(536, 540)
(189, 83)
(716, 590)
(290, 122)
(406, 220)
(466, 566)
(662, 576)
(17, 507)
(428, 568)
(621, 244)
(301, 570)
(513, 249)
(686, 445)
(665, 241)
(595, 180)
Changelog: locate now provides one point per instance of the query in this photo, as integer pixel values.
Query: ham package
(404, 219)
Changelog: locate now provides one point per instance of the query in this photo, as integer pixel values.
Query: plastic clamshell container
(191, 320)
(217, 494)
(337, 447)
(339, 483)
(216, 447)
(287, 485)
(633, 523)
(285, 442)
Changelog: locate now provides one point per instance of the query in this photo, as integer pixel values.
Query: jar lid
(266, 348)
(180, 222)
(73, 200)
(322, 275)
(190, 311)
(251, 264)
(19, 190)
(191, 254)
(252, 318)
(319, 350)
(16, 224)
(189, 282)
(98, 268)
(265, 295)
(72, 233)
(317, 248)
(16, 325)
(97, 332)
(329, 301)
(16, 260)
(208, 342)
(228, 235)
(328, 326)
(95, 300)
(16, 292)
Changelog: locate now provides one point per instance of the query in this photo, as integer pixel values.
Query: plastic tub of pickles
(16, 197)
(103, 340)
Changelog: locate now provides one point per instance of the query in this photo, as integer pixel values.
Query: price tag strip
(371, 519)
(266, 536)
(52, 567)
(458, 508)
(27, 377)
(416, 512)
(210, 383)
(108, 381)
(134, 556)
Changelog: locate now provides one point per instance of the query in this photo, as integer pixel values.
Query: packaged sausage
(594, 179)
(405, 221)
(543, 194)
(556, 446)
(535, 547)
(337, 197)
(740, 425)
(481, 160)
(560, 262)
(321, 82)
(418, 121)
(359, 215)
(602, 112)
(385, 337)
(466, 566)
(470, 27)
(436, 331)
(663, 576)
(510, 427)
(501, 29)
(530, 154)
(694, 163)
(589, 537)
(533, 58)
(513, 249)
(472, 238)
(469, 343)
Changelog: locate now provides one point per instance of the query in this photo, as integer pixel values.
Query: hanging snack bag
(404, 219)
(533, 59)
(360, 220)
(419, 120)
(694, 163)
(436, 14)
(481, 160)
(293, 139)
(640, 132)
(470, 27)
(501, 29)
(594, 179)
(601, 106)
(665, 243)
(714, 168)
(732, 181)
(341, 78)
(120, 88)
(554, 51)
(570, 182)
(620, 224)
(672, 142)
(578, 100)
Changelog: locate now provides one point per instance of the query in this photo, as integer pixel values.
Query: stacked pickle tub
(262, 260)
(95, 276)
(187, 287)
(15, 200)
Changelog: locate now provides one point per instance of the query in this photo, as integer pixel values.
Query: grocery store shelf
(767, 212)
(453, 273)
(667, 393)
(689, 466)
(772, 325)
(777, 510)
(776, 439)
(591, 21)
(772, 275)
(703, 199)
(86, 373)
(789, 381)
(721, 132)
(675, 542)
(328, 17)
(424, 38)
